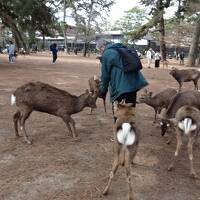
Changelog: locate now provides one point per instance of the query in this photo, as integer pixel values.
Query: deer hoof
(194, 175)
(105, 192)
(28, 142)
(170, 168)
(168, 141)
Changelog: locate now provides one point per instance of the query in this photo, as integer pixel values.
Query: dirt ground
(55, 167)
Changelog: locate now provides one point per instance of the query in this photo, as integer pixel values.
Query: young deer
(37, 96)
(94, 89)
(125, 143)
(158, 101)
(185, 75)
(187, 122)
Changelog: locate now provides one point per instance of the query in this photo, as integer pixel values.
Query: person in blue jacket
(54, 50)
(122, 85)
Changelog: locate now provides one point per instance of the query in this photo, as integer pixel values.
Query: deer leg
(112, 173)
(155, 115)
(195, 84)
(25, 113)
(72, 123)
(16, 117)
(190, 153)
(128, 175)
(104, 103)
(178, 146)
(180, 86)
(66, 119)
(68, 126)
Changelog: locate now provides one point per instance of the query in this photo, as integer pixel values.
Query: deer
(38, 96)
(191, 97)
(94, 89)
(187, 123)
(126, 139)
(158, 101)
(186, 75)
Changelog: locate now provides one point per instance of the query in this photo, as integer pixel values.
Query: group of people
(150, 55)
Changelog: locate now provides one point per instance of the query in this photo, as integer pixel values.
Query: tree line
(28, 18)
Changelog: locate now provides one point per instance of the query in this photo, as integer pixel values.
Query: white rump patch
(186, 125)
(13, 99)
(125, 135)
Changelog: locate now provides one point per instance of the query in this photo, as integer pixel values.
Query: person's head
(101, 45)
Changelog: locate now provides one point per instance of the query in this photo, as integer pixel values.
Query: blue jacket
(54, 49)
(112, 77)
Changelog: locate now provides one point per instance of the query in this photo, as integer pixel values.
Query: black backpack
(130, 59)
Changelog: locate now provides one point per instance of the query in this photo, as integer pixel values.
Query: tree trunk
(43, 41)
(12, 24)
(194, 45)
(85, 50)
(64, 26)
(162, 38)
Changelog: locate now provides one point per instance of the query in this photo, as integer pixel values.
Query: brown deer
(159, 100)
(125, 143)
(191, 97)
(187, 123)
(94, 89)
(186, 75)
(37, 96)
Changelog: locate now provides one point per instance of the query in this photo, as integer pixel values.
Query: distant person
(149, 56)
(54, 50)
(182, 56)
(75, 50)
(157, 59)
(11, 52)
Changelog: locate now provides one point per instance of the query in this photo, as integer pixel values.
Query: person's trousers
(129, 97)
(157, 63)
(11, 58)
(54, 57)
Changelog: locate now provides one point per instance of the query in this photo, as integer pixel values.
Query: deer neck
(150, 101)
(80, 103)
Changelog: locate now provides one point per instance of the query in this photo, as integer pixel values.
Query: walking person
(157, 59)
(54, 50)
(149, 56)
(123, 85)
(182, 56)
(11, 52)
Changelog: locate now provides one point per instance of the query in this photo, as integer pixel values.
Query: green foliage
(132, 20)
(28, 16)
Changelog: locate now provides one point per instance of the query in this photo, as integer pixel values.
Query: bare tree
(88, 14)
